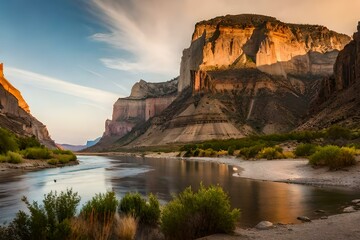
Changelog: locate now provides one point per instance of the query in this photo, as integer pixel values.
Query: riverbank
(30, 164)
(284, 170)
(341, 226)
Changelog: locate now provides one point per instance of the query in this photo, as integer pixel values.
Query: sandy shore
(337, 227)
(31, 165)
(285, 170)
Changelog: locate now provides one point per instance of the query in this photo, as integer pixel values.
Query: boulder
(264, 225)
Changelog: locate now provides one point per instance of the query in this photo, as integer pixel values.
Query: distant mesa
(242, 74)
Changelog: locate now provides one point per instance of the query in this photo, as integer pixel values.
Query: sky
(72, 59)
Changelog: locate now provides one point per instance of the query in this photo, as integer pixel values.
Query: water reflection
(276, 202)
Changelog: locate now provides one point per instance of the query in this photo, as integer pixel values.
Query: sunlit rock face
(241, 75)
(273, 47)
(338, 101)
(146, 101)
(15, 114)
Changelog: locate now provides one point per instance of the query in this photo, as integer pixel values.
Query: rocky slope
(15, 114)
(242, 74)
(338, 101)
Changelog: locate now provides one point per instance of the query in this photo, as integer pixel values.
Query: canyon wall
(338, 101)
(145, 101)
(241, 75)
(15, 114)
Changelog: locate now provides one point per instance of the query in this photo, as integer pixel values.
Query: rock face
(263, 42)
(241, 75)
(15, 114)
(146, 101)
(338, 101)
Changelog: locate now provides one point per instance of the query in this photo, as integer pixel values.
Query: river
(258, 200)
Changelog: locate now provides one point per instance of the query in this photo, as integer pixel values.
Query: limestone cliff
(338, 101)
(242, 74)
(146, 101)
(274, 47)
(15, 114)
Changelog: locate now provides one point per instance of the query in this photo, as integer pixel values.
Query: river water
(258, 200)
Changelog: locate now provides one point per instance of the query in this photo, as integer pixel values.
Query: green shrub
(37, 153)
(305, 150)
(338, 132)
(7, 141)
(27, 142)
(4, 158)
(192, 215)
(332, 156)
(271, 153)
(63, 158)
(231, 150)
(102, 206)
(14, 157)
(52, 161)
(47, 221)
(146, 212)
(251, 152)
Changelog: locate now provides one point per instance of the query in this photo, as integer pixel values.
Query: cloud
(56, 85)
(154, 32)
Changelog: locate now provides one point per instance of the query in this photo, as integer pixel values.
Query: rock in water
(349, 209)
(264, 225)
(356, 201)
(304, 219)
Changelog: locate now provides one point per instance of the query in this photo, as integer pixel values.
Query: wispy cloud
(93, 95)
(92, 72)
(156, 31)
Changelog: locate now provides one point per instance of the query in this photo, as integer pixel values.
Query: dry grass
(125, 228)
(113, 227)
(92, 227)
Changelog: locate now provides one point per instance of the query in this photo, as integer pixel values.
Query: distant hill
(76, 148)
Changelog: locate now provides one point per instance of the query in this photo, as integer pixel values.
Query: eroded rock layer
(146, 101)
(15, 114)
(274, 47)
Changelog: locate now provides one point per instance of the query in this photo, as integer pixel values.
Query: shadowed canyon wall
(338, 101)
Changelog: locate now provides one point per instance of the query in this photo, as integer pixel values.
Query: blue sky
(72, 59)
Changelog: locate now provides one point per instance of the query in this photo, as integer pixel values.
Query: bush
(4, 158)
(48, 221)
(338, 132)
(192, 215)
(37, 153)
(27, 142)
(14, 157)
(231, 150)
(332, 156)
(146, 212)
(102, 206)
(251, 152)
(305, 150)
(52, 161)
(271, 153)
(7, 141)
